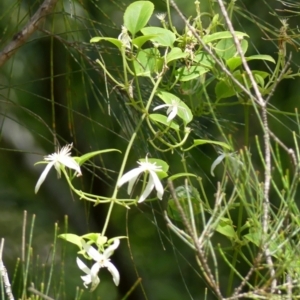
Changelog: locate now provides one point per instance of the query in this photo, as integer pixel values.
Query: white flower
(102, 261)
(59, 159)
(91, 277)
(124, 37)
(132, 176)
(236, 163)
(172, 109)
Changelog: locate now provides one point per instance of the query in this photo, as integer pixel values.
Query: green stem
(126, 155)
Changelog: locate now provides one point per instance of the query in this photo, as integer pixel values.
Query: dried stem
(199, 251)
(20, 38)
(267, 157)
(3, 273)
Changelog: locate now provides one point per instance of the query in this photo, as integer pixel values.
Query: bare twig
(20, 38)
(3, 273)
(199, 251)
(267, 156)
(38, 293)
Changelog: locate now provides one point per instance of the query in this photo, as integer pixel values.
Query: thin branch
(21, 37)
(267, 156)
(199, 251)
(38, 293)
(3, 273)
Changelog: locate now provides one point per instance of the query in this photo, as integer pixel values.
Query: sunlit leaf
(137, 15)
(147, 62)
(222, 35)
(116, 42)
(164, 37)
(175, 54)
(72, 238)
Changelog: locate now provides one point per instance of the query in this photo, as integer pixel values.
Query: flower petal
(158, 186)
(71, 163)
(114, 272)
(216, 162)
(110, 249)
(43, 176)
(92, 252)
(173, 113)
(130, 176)
(161, 106)
(149, 187)
(82, 266)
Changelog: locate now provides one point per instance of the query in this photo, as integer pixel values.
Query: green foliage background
(52, 92)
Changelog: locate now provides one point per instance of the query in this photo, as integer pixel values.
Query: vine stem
(126, 155)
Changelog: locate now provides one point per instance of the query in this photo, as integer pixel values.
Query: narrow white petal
(87, 279)
(149, 187)
(110, 250)
(130, 176)
(95, 269)
(43, 176)
(158, 186)
(92, 252)
(161, 106)
(82, 266)
(173, 114)
(216, 162)
(114, 272)
(70, 163)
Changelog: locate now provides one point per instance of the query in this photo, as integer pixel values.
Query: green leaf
(147, 62)
(175, 54)
(163, 120)
(96, 238)
(190, 73)
(202, 142)
(225, 89)
(141, 40)
(184, 111)
(222, 35)
(204, 60)
(137, 15)
(72, 238)
(225, 227)
(116, 42)
(184, 195)
(235, 62)
(82, 159)
(164, 37)
(226, 48)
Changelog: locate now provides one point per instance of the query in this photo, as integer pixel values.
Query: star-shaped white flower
(132, 176)
(172, 109)
(58, 160)
(102, 261)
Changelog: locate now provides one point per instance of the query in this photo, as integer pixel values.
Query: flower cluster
(60, 159)
(147, 168)
(102, 260)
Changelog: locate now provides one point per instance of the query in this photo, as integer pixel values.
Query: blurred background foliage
(52, 93)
